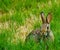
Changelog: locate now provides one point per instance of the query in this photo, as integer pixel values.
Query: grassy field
(19, 17)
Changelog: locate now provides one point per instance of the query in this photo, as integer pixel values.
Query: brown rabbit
(44, 32)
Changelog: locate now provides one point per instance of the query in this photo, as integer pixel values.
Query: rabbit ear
(42, 17)
(49, 18)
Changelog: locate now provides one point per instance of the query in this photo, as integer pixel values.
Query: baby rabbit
(44, 32)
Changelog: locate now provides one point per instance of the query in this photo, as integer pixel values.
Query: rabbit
(44, 32)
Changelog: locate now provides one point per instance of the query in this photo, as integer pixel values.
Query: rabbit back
(34, 35)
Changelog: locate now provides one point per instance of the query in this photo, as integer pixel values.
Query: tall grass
(19, 17)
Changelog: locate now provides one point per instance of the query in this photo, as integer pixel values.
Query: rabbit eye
(47, 27)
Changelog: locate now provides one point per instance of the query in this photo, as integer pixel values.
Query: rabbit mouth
(46, 34)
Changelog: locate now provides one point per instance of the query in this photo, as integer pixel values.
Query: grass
(19, 17)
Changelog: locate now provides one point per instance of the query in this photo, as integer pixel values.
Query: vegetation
(19, 17)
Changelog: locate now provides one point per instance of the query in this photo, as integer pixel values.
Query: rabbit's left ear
(49, 18)
(43, 17)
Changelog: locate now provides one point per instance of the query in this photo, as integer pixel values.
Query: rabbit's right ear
(49, 18)
(42, 17)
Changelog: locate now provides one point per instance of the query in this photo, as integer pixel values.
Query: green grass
(16, 15)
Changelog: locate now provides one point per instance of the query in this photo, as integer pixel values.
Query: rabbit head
(45, 28)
